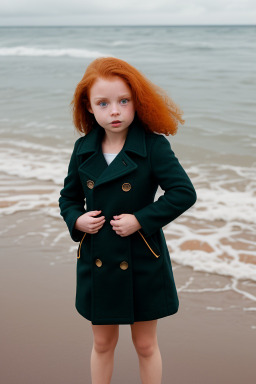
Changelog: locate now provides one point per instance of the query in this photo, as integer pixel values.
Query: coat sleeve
(179, 193)
(72, 199)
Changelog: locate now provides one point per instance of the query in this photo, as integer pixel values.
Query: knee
(145, 347)
(105, 344)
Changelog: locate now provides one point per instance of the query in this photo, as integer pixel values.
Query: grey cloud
(128, 12)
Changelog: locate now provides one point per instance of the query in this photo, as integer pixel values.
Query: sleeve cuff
(76, 234)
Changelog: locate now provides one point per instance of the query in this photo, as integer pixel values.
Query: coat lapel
(95, 166)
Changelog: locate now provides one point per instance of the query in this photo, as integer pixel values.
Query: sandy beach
(210, 340)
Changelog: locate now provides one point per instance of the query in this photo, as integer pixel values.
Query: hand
(88, 223)
(125, 224)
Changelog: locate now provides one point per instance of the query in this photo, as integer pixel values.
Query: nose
(115, 110)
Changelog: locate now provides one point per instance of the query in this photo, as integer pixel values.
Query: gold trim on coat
(139, 233)
(148, 245)
(80, 245)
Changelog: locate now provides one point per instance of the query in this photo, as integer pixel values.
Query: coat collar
(95, 167)
(135, 140)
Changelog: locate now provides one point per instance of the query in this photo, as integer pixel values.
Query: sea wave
(210, 254)
(51, 52)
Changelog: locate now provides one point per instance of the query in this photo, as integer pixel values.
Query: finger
(94, 213)
(98, 226)
(98, 219)
(116, 229)
(114, 223)
(96, 230)
(115, 226)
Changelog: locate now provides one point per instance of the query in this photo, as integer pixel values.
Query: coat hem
(156, 315)
(122, 320)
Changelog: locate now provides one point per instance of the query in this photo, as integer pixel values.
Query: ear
(88, 106)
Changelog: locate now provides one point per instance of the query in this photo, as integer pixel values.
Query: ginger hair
(154, 108)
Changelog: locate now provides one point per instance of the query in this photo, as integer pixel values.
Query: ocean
(209, 72)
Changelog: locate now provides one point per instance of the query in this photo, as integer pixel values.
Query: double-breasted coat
(123, 279)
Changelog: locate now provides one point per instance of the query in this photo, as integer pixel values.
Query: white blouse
(109, 157)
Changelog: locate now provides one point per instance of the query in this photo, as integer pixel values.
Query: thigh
(144, 330)
(105, 333)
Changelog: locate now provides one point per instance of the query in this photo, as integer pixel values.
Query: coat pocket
(156, 248)
(79, 248)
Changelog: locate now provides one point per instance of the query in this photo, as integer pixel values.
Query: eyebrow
(126, 95)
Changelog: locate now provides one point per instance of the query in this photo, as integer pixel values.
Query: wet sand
(210, 340)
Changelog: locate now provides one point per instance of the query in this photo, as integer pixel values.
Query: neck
(114, 139)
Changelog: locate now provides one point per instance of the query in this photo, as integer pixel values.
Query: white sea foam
(51, 52)
(205, 262)
(231, 286)
(222, 223)
(37, 163)
(23, 144)
(121, 43)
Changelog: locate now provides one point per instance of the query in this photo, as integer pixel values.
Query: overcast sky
(127, 12)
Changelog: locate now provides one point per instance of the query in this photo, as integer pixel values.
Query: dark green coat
(125, 279)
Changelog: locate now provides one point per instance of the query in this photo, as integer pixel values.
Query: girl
(124, 271)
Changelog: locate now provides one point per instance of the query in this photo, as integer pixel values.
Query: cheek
(95, 111)
(99, 114)
(132, 106)
(131, 109)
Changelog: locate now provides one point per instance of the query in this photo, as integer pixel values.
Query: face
(112, 104)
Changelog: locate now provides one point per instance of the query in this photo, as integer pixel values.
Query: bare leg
(102, 356)
(144, 338)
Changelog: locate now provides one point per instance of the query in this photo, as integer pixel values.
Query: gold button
(126, 187)
(90, 184)
(124, 265)
(98, 262)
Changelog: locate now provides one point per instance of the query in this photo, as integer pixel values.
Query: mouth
(116, 123)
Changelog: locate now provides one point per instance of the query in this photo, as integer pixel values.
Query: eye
(124, 101)
(102, 103)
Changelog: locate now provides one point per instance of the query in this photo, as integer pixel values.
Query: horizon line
(128, 25)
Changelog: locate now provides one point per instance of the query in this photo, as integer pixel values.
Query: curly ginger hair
(155, 109)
